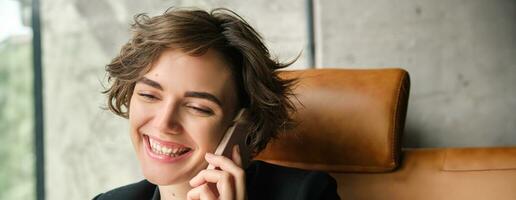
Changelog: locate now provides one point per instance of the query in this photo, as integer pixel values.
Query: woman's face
(178, 112)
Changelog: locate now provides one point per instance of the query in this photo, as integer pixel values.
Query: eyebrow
(203, 95)
(151, 83)
(195, 94)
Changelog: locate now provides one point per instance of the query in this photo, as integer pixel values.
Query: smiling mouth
(159, 148)
(168, 149)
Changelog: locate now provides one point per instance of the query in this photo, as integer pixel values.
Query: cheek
(138, 115)
(206, 134)
(134, 114)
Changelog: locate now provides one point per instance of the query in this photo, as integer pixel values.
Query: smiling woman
(166, 110)
(180, 81)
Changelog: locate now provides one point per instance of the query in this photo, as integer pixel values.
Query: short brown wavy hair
(193, 31)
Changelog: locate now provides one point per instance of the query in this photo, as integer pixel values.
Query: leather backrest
(347, 121)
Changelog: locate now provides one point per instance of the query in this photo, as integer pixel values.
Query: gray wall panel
(461, 56)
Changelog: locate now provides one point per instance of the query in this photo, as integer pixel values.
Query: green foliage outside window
(17, 158)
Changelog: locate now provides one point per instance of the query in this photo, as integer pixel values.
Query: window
(17, 157)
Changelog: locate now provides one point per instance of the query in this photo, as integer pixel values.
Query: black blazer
(263, 181)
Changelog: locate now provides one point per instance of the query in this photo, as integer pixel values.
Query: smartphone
(235, 135)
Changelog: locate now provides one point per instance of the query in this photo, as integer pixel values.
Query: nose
(167, 119)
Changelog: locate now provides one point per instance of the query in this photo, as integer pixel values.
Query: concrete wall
(87, 149)
(461, 55)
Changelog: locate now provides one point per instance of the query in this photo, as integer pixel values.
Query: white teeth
(173, 152)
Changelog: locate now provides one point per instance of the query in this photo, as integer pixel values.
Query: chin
(164, 177)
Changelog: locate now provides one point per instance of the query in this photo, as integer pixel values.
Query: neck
(173, 192)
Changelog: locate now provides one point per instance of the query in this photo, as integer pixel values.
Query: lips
(165, 151)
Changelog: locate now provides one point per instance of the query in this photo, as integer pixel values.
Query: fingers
(202, 192)
(212, 176)
(225, 164)
(222, 179)
(226, 174)
(228, 165)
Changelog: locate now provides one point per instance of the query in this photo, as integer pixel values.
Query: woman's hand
(225, 182)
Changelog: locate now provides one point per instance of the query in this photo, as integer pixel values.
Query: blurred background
(56, 141)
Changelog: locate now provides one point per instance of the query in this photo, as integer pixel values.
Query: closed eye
(148, 97)
(201, 110)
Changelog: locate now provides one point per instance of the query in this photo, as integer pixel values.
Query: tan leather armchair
(350, 123)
